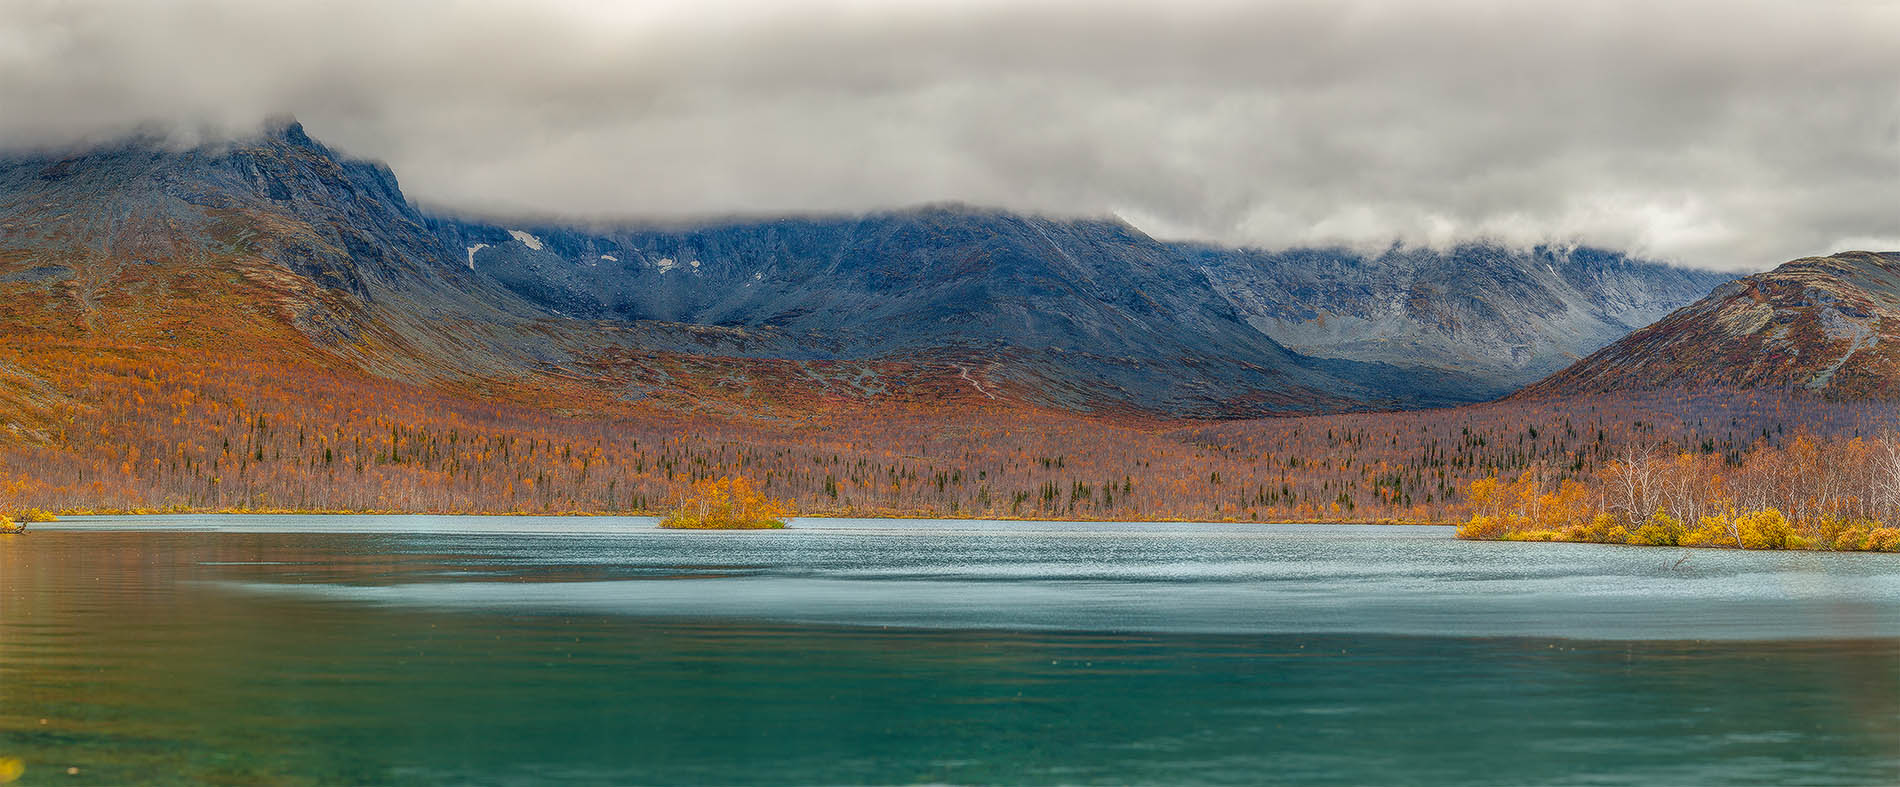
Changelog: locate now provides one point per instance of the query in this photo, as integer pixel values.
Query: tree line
(180, 431)
(1836, 492)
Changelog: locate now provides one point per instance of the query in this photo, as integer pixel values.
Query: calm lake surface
(426, 650)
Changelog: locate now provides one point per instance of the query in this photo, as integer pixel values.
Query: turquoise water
(429, 650)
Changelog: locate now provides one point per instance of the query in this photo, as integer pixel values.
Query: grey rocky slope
(1070, 309)
(1483, 319)
(1506, 316)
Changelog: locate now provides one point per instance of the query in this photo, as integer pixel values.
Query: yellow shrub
(1649, 536)
(1848, 539)
(1764, 529)
(1662, 530)
(1885, 539)
(1711, 531)
(1602, 529)
(1533, 535)
(1483, 526)
(37, 515)
(1831, 527)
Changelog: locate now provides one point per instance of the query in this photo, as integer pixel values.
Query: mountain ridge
(1082, 314)
(1600, 296)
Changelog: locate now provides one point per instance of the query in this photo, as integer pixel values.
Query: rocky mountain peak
(1828, 324)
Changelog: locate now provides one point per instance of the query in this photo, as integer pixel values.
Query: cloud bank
(1729, 134)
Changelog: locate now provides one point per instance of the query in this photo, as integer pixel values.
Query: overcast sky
(1727, 134)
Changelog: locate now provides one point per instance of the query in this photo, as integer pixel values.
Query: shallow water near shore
(426, 650)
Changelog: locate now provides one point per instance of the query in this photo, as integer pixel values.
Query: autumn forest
(137, 433)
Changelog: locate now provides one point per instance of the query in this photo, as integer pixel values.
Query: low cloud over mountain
(1723, 134)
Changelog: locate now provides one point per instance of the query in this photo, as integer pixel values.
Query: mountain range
(147, 244)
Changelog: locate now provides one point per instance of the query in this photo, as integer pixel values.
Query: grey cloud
(1726, 134)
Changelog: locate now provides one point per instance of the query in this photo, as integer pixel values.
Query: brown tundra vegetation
(97, 427)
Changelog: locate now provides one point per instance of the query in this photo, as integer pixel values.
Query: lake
(500, 650)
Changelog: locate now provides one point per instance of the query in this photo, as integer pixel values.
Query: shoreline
(820, 515)
(1709, 547)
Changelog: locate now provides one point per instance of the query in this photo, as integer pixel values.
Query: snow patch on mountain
(526, 239)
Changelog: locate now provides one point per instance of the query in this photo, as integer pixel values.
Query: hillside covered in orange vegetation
(126, 426)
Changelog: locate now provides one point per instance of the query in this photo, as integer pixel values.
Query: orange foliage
(150, 429)
(1810, 493)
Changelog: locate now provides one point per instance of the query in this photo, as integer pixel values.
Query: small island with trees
(731, 503)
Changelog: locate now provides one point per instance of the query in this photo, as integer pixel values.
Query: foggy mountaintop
(1730, 135)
